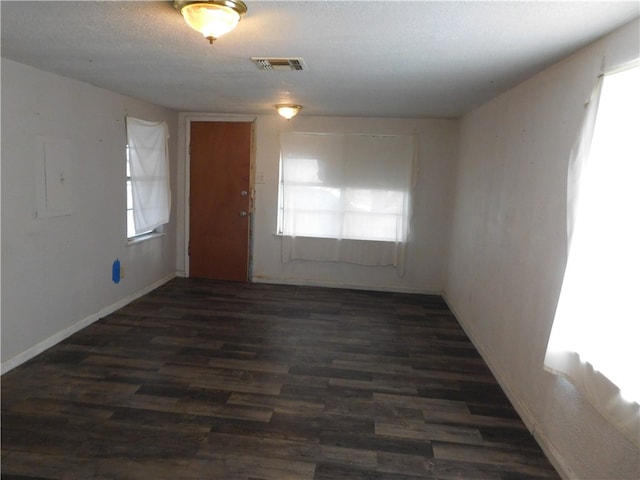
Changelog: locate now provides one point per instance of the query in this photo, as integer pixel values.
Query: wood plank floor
(214, 380)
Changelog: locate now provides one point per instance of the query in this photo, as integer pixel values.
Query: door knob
(244, 193)
(243, 213)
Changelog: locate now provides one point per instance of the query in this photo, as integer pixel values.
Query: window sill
(144, 238)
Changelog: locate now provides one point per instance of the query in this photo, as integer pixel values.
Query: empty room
(320, 240)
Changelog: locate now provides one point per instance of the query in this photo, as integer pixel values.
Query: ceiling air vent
(279, 64)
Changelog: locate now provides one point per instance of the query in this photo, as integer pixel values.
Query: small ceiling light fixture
(212, 18)
(288, 110)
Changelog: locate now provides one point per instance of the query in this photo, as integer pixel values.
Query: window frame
(147, 178)
(345, 197)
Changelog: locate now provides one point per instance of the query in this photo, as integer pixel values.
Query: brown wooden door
(220, 166)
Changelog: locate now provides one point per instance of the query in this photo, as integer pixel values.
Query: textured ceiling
(398, 58)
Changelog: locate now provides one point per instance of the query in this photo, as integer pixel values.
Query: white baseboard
(305, 282)
(67, 332)
(549, 449)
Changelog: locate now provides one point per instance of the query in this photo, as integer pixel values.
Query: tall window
(344, 188)
(596, 332)
(148, 194)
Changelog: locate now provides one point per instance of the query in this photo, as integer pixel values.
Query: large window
(596, 331)
(345, 188)
(148, 194)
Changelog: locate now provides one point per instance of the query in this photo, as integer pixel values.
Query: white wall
(430, 229)
(508, 251)
(56, 271)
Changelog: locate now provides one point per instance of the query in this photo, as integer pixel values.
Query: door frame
(184, 172)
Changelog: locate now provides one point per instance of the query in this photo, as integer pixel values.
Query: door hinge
(189, 248)
(189, 149)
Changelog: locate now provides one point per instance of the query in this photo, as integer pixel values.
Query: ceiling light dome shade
(288, 110)
(213, 18)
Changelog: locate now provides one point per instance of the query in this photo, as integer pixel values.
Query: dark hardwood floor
(213, 380)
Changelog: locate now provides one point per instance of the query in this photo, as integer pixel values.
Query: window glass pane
(312, 224)
(131, 229)
(367, 200)
(302, 170)
(312, 198)
(370, 226)
(129, 196)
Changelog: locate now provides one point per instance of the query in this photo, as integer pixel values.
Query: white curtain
(149, 166)
(595, 337)
(345, 198)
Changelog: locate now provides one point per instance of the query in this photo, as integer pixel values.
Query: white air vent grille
(279, 64)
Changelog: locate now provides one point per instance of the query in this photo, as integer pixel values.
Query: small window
(147, 177)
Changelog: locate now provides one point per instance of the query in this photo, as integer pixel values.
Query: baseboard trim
(549, 449)
(305, 282)
(28, 354)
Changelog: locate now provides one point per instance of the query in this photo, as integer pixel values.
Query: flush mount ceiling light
(288, 110)
(212, 18)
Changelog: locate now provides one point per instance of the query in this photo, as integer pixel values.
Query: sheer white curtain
(345, 197)
(149, 166)
(595, 337)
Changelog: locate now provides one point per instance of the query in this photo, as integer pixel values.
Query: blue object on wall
(115, 271)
